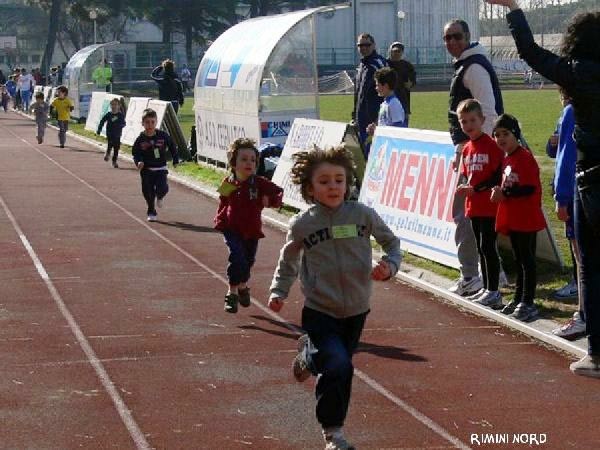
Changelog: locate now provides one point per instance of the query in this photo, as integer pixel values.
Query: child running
(40, 109)
(5, 97)
(519, 213)
(243, 195)
(150, 157)
(115, 122)
(329, 246)
(482, 167)
(63, 107)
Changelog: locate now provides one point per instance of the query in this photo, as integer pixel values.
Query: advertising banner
(410, 182)
(99, 106)
(133, 119)
(304, 135)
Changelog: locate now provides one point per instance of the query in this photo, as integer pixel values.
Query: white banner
(99, 106)
(215, 131)
(304, 134)
(410, 183)
(133, 119)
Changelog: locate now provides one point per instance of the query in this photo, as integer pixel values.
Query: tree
(55, 10)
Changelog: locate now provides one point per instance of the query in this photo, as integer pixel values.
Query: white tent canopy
(255, 79)
(78, 76)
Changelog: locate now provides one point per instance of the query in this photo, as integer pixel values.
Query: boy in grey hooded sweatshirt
(329, 247)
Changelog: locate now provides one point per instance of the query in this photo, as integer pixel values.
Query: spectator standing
(391, 113)
(186, 77)
(474, 77)
(102, 76)
(2, 78)
(577, 70)
(366, 99)
(11, 88)
(170, 88)
(407, 76)
(26, 84)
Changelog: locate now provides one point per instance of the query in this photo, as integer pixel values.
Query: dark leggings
(523, 244)
(154, 185)
(484, 229)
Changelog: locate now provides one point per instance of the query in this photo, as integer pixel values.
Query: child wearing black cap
(519, 215)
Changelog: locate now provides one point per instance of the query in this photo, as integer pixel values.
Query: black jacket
(406, 72)
(580, 78)
(170, 88)
(366, 100)
(152, 150)
(114, 124)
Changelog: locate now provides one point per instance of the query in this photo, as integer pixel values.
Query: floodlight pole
(94, 15)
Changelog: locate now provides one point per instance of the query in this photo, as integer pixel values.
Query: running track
(112, 334)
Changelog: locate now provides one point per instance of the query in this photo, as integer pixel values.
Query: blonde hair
(469, 105)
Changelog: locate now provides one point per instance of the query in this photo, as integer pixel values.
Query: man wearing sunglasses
(366, 99)
(474, 77)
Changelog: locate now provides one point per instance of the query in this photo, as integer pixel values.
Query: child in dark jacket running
(243, 195)
(329, 246)
(519, 216)
(150, 157)
(115, 122)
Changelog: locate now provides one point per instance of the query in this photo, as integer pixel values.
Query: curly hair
(234, 150)
(305, 164)
(581, 38)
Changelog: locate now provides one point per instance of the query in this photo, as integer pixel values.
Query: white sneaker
(467, 287)
(151, 217)
(336, 441)
(476, 295)
(567, 291)
(160, 202)
(573, 329)
(492, 299)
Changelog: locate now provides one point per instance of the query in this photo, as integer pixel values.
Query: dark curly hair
(581, 39)
(305, 164)
(235, 148)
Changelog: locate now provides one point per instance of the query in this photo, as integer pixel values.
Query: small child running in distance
(482, 167)
(519, 199)
(329, 246)
(63, 107)
(243, 195)
(5, 97)
(40, 109)
(115, 122)
(150, 157)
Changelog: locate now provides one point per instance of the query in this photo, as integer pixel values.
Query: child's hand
(562, 213)
(465, 189)
(381, 271)
(497, 196)
(371, 129)
(276, 304)
(140, 165)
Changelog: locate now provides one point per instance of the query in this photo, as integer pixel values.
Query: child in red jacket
(243, 195)
(520, 215)
(482, 167)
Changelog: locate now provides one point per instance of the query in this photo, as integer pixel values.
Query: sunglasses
(363, 45)
(455, 36)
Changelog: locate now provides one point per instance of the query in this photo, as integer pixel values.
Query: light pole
(93, 16)
(401, 15)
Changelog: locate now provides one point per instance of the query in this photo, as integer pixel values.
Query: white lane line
(439, 430)
(133, 428)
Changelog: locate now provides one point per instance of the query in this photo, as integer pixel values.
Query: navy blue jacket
(152, 150)
(580, 78)
(366, 99)
(114, 125)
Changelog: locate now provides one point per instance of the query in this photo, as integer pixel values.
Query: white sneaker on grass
(491, 299)
(476, 295)
(567, 291)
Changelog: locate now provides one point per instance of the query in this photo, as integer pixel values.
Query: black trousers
(113, 144)
(154, 184)
(524, 244)
(484, 229)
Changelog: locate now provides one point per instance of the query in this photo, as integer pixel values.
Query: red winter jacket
(240, 210)
(521, 210)
(482, 165)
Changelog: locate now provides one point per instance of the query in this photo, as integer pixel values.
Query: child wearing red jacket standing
(520, 215)
(482, 167)
(243, 195)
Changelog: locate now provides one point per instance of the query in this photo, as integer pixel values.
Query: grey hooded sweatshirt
(331, 250)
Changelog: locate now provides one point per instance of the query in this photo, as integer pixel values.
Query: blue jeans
(328, 353)
(589, 245)
(242, 254)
